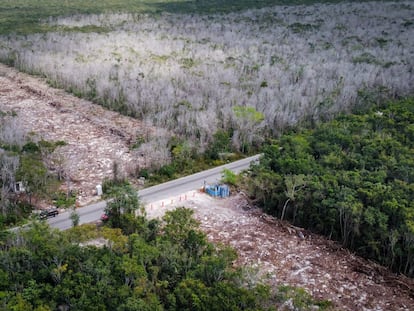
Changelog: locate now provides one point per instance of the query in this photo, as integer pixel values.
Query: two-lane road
(172, 188)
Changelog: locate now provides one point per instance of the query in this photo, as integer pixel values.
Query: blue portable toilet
(224, 191)
(213, 190)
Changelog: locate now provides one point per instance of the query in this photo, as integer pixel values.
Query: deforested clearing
(187, 72)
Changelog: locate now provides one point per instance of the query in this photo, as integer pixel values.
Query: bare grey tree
(185, 73)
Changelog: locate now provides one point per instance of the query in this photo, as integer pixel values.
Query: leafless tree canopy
(11, 132)
(187, 72)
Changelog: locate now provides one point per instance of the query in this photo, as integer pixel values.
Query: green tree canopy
(351, 179)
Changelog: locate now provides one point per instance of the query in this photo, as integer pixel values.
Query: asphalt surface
(172, 188)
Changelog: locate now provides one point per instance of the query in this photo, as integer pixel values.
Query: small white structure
(99, 190)
(19, 187)
(141, 181)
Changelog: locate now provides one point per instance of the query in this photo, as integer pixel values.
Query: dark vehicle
(52, 212)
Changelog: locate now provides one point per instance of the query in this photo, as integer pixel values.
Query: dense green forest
(140, 264)
(351, 179)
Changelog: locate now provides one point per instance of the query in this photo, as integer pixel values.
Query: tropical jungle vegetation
(351, 179)
(131, 263)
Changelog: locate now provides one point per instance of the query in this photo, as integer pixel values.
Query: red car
(104, 217)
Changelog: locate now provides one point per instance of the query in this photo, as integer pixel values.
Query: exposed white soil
(96, 137)
(284, 254)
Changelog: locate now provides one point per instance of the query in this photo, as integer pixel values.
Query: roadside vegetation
(131, 263)
(351, 179)
(31, 169)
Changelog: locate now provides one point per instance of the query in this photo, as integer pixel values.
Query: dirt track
(279, 253)
(96, 137)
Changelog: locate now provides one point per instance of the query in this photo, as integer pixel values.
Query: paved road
(175, 187)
